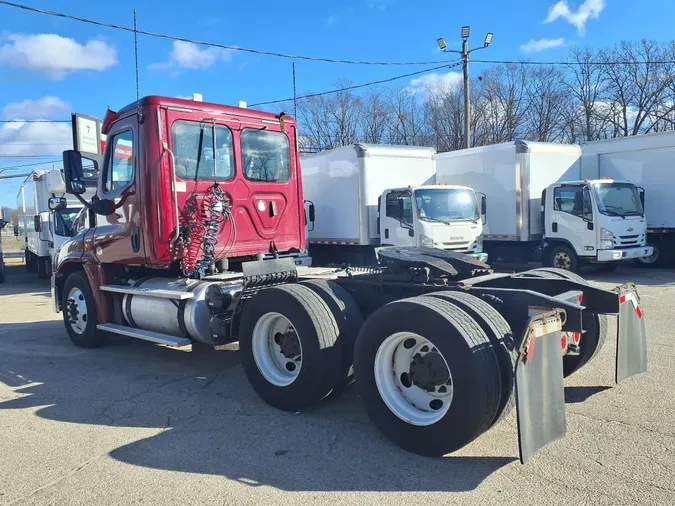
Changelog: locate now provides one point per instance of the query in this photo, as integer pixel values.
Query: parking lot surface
(133, 423)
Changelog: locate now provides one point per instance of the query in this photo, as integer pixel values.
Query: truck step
(149, 292)
(146, 335)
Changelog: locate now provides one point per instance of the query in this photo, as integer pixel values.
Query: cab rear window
(193, 149)
(265, 156)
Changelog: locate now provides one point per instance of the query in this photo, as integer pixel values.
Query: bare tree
(407, 125)
(504, 96)
(375, 116)
(547, 97)
(637, 90)
(587, 82)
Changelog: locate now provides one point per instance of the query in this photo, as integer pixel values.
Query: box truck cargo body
(649, 161)
(539, 208)
(365, 196)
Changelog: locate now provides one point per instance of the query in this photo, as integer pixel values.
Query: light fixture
(465, 32)
(441, 44)
(488, 39)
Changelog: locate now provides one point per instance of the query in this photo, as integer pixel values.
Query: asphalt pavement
(133, 423)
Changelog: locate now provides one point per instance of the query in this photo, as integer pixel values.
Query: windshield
(618, 199)
(64, 221)
(446, 204)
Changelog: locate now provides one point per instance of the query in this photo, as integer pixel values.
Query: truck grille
(628, 241)
(456, 246)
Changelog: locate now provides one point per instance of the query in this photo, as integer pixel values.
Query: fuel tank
(183, 318)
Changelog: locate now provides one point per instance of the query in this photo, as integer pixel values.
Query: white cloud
(189, 56)
(434, 81)
(590, 9)
(380, 5)
(536, 46)
(54, 55)
(25, 139)
(46, 107)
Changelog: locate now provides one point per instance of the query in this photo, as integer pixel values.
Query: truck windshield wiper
(632, 213)
(437, 220)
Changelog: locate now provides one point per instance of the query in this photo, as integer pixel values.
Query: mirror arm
(84, 202)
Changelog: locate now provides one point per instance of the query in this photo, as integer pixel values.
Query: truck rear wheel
(288, 342)
(79, 312)
(500, 335)
(428, 375)
(596, 326)
(349, 319)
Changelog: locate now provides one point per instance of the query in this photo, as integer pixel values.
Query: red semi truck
(197, 234)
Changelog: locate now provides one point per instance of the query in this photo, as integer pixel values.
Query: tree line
(626, 89)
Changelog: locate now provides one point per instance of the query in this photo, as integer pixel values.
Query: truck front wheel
(427, 374)
(288, 341)
(79, 312)
(563, 257)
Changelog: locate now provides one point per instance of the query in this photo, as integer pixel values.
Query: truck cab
(441, 216)
(600, 221)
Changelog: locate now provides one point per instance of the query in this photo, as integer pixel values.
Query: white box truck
(649, 161)
(43, 230)
(540, 208)
(365, 196)
(5, 218)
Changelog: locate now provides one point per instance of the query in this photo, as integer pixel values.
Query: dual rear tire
(434, 372)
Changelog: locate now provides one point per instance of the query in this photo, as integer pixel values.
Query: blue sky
(51, 66)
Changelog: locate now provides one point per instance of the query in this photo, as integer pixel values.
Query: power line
(213, 44)
(363, 85)
(309, 58)
(35, 120)
(26, 156)
(29, 165)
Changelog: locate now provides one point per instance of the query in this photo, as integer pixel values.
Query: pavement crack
(58, 480)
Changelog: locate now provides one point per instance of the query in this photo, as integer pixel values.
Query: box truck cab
(44, 230)
(542, 208)
(433, 216)
(365, 196)
(598, 220)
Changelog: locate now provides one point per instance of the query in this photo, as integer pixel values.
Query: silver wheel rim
(651, 258)
(562, 260)
(76, 310)
(276, 349)
(397, 370)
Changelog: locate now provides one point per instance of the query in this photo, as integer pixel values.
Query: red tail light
(576, 337)
(563, 342)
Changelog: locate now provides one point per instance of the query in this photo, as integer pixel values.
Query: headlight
(426, 241)
(607, 244)
(606, 234)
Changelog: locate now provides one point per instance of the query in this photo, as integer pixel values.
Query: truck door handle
(554, 227)
(136, 240)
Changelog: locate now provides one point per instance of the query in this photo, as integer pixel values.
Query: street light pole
(467, 94)
(465, 52)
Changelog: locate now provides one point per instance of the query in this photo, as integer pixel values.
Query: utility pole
(465, 52)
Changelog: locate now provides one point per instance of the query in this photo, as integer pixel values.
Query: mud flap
(540, 391)
(631, 346)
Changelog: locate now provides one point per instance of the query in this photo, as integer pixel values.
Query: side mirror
(37, 225)
(2, 223)
(104, 207)
(312, 213)
(73, 172)
(16, 230)
(641, 191)
(483, 205)
(57, 203)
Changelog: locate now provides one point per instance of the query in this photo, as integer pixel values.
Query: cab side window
(119, 170)
(394, 209)
(569, 199)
